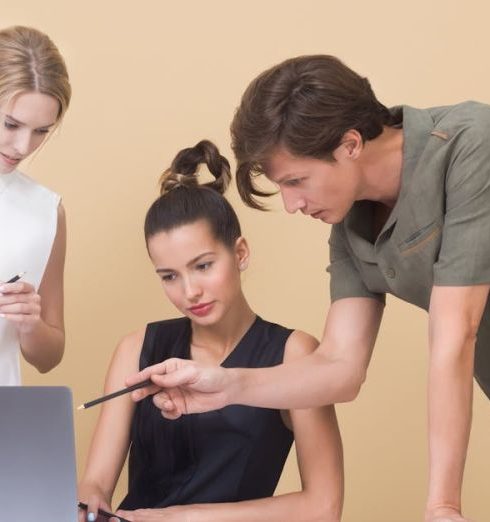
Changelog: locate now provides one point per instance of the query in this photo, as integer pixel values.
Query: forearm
(298, 506)
(43, 346)
(311, 381)
(450, 409)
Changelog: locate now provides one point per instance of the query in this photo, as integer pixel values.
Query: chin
(6, 170)
(331, 221)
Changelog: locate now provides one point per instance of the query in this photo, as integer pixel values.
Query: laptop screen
(37, 454)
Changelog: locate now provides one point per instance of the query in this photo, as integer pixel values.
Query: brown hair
(304, 104)
(183, 200)
(29, 61)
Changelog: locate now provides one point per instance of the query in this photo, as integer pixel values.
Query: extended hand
(183, 386)
(21, 304)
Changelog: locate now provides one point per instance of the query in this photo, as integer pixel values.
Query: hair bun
(172, 180)
(184, 167)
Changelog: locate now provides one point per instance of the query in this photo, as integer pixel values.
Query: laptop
(37, 455)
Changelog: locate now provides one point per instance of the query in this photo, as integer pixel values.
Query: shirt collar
(417, 125)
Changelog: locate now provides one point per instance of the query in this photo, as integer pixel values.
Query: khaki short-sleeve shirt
(438, 233)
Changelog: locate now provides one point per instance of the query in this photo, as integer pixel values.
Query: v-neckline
(238, 345)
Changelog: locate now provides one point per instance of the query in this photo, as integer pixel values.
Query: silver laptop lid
(37, 454)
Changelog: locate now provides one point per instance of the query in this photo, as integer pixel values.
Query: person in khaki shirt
(408, 194)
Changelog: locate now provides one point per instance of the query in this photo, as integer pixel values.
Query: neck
(382, 167)
(218, 340)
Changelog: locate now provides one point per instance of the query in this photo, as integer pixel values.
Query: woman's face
(200, 275)
(25, 121)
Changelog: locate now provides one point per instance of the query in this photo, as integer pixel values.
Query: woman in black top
(221, 465)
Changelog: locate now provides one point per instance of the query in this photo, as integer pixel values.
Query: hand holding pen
(20, 303)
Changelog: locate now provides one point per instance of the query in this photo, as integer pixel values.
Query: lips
(9, 159)
(201, 309)
(317, 214)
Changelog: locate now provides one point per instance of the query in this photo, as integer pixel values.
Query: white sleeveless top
(28, 222)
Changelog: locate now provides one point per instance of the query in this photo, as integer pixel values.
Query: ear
(351, 146)
(242, 253)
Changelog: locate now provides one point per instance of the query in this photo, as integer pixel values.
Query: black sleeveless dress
(236, 453)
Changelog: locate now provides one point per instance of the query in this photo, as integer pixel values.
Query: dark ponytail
(183, 200)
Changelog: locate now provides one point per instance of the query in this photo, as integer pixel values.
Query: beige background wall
(154, 76)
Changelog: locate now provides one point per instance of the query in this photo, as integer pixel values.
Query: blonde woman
(34, 95)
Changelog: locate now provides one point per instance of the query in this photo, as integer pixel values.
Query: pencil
(15, 278)
(129, 389)
(106, 514)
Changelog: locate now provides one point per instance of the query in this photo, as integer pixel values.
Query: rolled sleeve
(464, 257)
(345, 279)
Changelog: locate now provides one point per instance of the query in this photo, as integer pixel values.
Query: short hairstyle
(304, 104)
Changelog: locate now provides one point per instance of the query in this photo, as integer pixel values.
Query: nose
(292, 202)
(192, 289)
(22, 142)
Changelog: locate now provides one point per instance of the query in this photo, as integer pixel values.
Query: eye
(168, 277)
(9, 125)
(202, 267)
(294, 182)
(42, 131)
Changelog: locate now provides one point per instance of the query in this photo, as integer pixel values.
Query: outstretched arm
(332, 373)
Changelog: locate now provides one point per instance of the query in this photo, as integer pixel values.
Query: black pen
(106, 514)
(136, 386)
(15, 278)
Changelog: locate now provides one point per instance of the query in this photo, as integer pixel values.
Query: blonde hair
(29, 61)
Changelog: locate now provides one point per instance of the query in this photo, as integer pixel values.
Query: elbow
(45, 366)
(457, 349)
(324, 510)
(351, 386)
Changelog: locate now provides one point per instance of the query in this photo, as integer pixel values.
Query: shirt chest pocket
(424, 243)
(417, 254)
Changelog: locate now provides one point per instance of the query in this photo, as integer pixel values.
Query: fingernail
(91, 517)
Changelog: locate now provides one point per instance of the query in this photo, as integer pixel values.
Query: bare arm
(331, 374)
(110, 441)
(319, 453)
(38, 317)
(454, 317)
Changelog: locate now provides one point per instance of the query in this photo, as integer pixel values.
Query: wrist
(235, 386)
(441, 510)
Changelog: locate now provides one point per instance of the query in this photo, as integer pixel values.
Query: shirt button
(390, 273)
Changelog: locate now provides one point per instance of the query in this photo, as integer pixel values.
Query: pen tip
(81, 407)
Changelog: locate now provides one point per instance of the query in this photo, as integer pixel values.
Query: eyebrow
(191, 262)
(15, 120)
(288, 176)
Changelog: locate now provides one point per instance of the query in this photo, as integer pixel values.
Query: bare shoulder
(61, 213)
(125, 359)
(61, 223)
(299, 344)
(130, 344)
